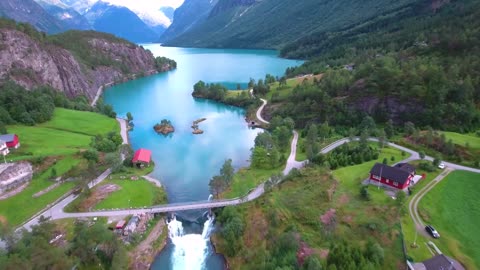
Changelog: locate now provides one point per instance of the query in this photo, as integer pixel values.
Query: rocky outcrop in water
(31, 62)
(165, 127)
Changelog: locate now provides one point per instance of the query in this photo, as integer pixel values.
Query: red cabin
(398, 176)
(11, 140)
(142, 157)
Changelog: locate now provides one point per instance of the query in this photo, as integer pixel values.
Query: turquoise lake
(184, 163)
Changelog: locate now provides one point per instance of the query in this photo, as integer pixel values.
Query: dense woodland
(425, 72)
(93, 247)
(218, 92)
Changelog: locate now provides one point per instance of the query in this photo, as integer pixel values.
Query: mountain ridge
(273, 24)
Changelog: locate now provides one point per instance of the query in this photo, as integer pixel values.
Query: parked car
(441, 165)
(432, 231)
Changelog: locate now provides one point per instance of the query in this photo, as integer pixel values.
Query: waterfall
(190, 250)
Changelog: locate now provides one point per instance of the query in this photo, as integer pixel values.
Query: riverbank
(144, 254)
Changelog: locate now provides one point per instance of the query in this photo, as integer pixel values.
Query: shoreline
(126, 78)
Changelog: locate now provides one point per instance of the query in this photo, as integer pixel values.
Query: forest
(426, 73)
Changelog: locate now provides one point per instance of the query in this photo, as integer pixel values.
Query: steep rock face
(187, 16)
(32, 64)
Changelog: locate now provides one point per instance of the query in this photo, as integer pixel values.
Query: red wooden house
(142, 157)
(11, 140)
(398, 177)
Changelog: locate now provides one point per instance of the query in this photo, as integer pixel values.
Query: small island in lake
(164, 127)
(196, 130)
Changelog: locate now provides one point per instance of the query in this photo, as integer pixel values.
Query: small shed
(142, 157)
(120, 225)
(12, 140)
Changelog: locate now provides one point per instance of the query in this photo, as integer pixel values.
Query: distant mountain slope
(119, 21)
(190, 14)
(30, 12)
(168, 11)
(274, 23)
(69, 18)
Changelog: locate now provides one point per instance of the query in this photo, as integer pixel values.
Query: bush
(427, 166)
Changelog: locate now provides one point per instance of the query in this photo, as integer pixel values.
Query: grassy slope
(299, 203)
(133, 193)
(452, 207)
(62, 137)
(19, 208)
(461, 139)
(138, 193)
(67, 133)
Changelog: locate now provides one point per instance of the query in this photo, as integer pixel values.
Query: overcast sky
(149, 8)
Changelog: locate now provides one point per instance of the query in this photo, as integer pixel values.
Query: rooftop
(393, 173)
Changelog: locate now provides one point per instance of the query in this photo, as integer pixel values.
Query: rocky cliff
(63, 62)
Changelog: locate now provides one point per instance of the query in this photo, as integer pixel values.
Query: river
(184, 163)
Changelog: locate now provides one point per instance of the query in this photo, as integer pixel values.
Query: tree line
(21, 106)
(92, 246)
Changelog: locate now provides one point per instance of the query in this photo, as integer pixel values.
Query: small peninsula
(164, 127)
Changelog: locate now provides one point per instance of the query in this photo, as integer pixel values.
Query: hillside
(29, 11)
(75, 62)
(191, 13)
(274, 23)
(422, 69)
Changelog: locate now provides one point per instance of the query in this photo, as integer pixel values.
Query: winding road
(259, 112)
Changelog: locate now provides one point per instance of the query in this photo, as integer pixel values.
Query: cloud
(149, 10)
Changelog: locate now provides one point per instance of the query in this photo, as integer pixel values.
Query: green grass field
(462, 139)
(62, 137)
(138, 193)
(352, 176)
(246, 179)
(22, 206)
(67, 133)
(453, 208)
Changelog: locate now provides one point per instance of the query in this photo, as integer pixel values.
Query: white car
(441, 165)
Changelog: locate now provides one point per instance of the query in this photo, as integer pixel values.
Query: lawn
(462, 139)
(352, 176)
(88, 123)
(67, 133)
(132, 193)
(138, 193)
(246, 179)
(453, 208)
(62, 137)
(22, 206)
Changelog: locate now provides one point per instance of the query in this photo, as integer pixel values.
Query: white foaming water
(190, 250)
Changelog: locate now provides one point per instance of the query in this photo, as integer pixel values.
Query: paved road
(413, 204)
(56, 211)
(291, 162)
(259, 112)
(99, 93)
(123, 130)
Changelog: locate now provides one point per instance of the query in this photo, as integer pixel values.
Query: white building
(3, 148)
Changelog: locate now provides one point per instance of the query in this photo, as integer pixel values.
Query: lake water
(184, 163)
